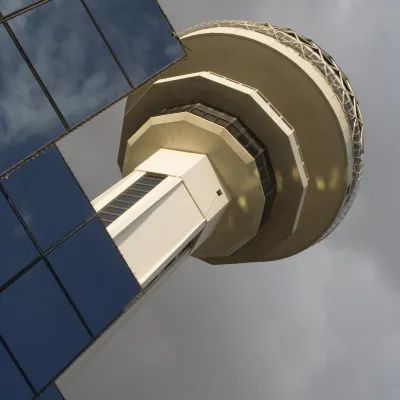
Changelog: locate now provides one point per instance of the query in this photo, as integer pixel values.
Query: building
(248, 149)
(55, 250)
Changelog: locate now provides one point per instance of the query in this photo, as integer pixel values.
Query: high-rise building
(248, 149)
(62, 279)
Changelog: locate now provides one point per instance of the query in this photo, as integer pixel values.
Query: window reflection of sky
(139, 35)
(55, 205)
(40, 326)
(13, 385)
(74, 63)
(95, 275)
(17, 249)
(27, 120)
(71, 58)
(9, 6)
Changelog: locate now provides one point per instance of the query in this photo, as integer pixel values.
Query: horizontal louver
(129, 197)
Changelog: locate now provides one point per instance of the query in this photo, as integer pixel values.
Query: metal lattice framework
(333, 75)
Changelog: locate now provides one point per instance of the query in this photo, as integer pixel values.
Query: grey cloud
(16, 118)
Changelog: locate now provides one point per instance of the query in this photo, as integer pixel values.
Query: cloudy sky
(324, 325)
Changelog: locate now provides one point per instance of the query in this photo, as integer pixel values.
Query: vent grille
(130, 196)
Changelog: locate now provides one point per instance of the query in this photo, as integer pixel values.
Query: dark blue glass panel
(139, 35)
(55, 205)
(71, 57)
(16, 248)
(9, 6)
(51, 393)
(27, 120)
(40, 326)
(95, 275)
(12, 383)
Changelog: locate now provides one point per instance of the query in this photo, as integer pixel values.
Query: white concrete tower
(248, 150)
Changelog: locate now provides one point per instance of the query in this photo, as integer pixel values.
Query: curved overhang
(263, 120)
(305, 98)
(333, 75)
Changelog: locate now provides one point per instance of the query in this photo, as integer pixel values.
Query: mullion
(126, 205)
(118, 212)
(118, 199)
(113, 205)
(131, 195)
(143, 184)
(129, 199)
(153, 178)
(121, 204)
(150, 184)
(137, 195)
(110, 213)
(106, 222)
(107, 217)
(139, 190)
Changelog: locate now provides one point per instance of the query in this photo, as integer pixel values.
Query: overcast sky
(324, 325)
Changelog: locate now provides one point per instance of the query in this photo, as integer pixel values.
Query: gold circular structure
(309, 90)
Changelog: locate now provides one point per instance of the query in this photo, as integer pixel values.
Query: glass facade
(75, 64)
(46, 195)
(51, 393)
(21, 101)
(130, 196)
(140, 56)
(95, 275)
(17, 249)
(40, 326)
(12, 382)
(67, 60)
(62, 279)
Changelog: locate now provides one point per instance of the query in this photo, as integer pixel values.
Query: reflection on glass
(71, 57)
(9, 6)
(40, 326)
(95, 275)
(55, 205)
(139, 35)
(51, 393)
(12, 383)
(16, 248)
(27, 119)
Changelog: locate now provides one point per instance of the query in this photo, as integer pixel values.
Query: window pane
(71, 57)
(16, 248)
(12, 383)
(139, 35)
(27, 120)
(95, 275)
(51, 393)
(40, 326)
(55, 205)
(8, 6)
